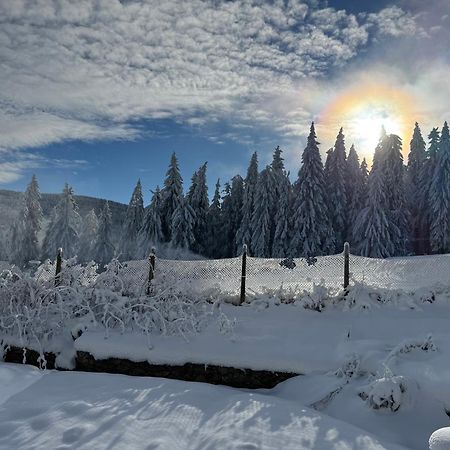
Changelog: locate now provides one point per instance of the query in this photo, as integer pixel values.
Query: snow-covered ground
(385, 370)
(101, 411)
(375, 362)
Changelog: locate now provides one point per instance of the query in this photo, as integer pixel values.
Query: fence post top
(244, 248)
(60, 251)
(346, 246)
(153, 251)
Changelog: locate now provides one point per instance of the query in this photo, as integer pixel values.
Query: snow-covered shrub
(440, 439)
(33, 311)
(315, 300)
(422, 344)
(388, 393)
(350, 368)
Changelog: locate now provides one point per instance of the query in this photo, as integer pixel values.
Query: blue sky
(99, 93)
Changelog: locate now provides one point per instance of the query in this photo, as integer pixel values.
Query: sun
(364, 126)
(363, 110)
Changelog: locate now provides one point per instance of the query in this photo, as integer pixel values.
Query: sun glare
(362, 111)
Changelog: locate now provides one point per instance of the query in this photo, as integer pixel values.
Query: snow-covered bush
(388, 393)
(33, 311)
(440, 439)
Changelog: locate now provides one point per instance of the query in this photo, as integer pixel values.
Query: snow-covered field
(375, 365)
(373, 379)
(100, 411)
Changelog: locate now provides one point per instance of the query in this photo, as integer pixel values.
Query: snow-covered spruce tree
(372, 232)
(336, 189)
(28, 226)
(231, 216)
(413, 183)
(197, 198)
(393, 172)
(183, 223)
(364, 172)
(328, 164)
(13, 240)
(426, 179)
(64, 226)
(151, 232)
(127, 249)
(312, 234)
(214, 223)
(280, 206)
(104, 248)
(440, 196)
(355, 188)
(172, 193)
(88, 237)
(244, 233)
(262, 219)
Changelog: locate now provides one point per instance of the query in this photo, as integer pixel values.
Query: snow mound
(388, 393)
(440, 439)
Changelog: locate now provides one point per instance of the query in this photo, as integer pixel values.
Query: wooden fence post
(151, 269)
(346, 265)
(243, 274)
(59, 256)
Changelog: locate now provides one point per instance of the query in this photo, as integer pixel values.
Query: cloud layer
(90, 69)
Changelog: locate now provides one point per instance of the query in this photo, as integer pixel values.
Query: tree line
(392, 210)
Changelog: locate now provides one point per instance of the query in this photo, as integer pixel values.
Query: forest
(391, 209)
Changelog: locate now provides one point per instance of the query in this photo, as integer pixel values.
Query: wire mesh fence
(262, 275)
(269, 274)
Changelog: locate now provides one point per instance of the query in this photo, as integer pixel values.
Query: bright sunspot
(363, 110)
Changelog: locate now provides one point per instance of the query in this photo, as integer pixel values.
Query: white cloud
(14, 163)
(83, 70)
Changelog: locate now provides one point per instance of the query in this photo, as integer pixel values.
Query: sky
(99, 93)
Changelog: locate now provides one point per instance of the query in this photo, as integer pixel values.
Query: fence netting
(263, 275)
(203, 277)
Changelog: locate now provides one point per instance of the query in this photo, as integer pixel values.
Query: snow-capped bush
(33, 311)
(440, 439)
(388, 393)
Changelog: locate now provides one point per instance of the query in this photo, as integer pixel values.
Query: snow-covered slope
(101, 411)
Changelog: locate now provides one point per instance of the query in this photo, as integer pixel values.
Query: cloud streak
(86, 69)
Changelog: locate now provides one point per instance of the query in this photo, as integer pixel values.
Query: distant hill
(10, 202)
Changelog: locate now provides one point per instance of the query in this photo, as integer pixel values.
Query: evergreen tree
(198, 199)
(280, 198)
(244, 233)
(103, 248)
(416, 160)
(14, 241)
(328, 165)
(172, 194)
(372, 233)
(64, 226)
(336, 187)
(440, 196)
(214, 223)
(183, 223)
(28, 225)
(226, 233)
(151, 232)
(232, 216)
(133, 223)
(88, 237)
(312, 231)
(393, 173)
(364, 172)
(426, 179)
(262, 218)
(355, 188)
